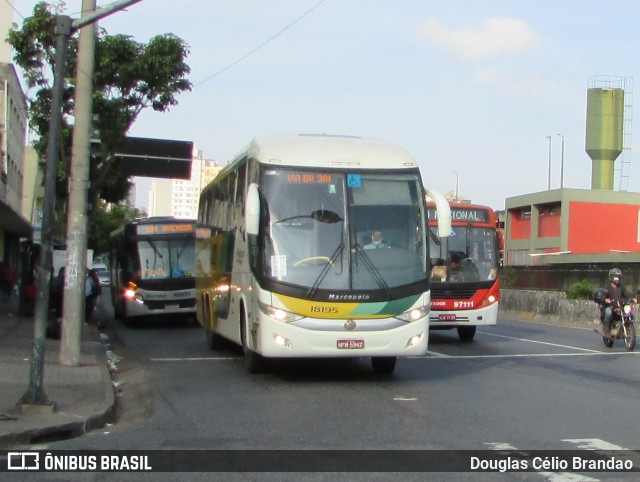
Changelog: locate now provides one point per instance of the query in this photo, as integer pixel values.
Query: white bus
(283, 265)
(152, 268)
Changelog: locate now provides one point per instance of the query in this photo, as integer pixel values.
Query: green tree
(105, 219)
(128, 77)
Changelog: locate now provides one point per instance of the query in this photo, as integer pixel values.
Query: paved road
(520, 385)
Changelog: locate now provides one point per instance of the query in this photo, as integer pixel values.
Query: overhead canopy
(13, 222)
(163, 158)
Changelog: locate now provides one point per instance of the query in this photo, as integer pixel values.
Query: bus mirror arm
(443, 213)
(252, 213)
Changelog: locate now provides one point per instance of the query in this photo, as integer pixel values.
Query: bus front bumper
(285, 340)
(446, 319)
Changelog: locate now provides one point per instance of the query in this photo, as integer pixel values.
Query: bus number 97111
(463, 304)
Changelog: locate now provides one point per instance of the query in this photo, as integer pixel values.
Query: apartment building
(13, 131)
(179, 197)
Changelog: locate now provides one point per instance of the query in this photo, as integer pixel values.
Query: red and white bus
(465, 286)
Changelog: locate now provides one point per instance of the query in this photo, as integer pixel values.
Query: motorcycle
(622, 324)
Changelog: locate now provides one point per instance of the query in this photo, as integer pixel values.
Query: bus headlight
(278, 313)
(413, 314)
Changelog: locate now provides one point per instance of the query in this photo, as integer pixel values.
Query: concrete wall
(552, 305)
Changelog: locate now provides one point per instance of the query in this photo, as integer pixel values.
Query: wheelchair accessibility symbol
(354, 180)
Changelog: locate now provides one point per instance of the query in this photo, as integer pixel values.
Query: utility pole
(561, 162)
(457, 179)
(74, 295)
(35, 396)
(549, 177)
(35, 393)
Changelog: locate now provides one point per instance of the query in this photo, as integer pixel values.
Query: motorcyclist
(616, 292)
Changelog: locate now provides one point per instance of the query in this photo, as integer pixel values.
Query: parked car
(103, 273)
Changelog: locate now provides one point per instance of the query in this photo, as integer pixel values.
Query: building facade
(178, 197)
(13, 132)
(572, 226)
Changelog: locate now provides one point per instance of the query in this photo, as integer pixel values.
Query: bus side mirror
(443, 213)
(252, 210)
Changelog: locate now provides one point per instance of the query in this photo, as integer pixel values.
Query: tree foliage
(105, 219)
(129, 77)
(580, 290)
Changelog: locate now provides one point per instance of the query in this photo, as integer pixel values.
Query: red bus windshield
(471, 253)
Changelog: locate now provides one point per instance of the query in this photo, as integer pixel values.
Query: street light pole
(549, 177)
(561, 162)
(457, 179)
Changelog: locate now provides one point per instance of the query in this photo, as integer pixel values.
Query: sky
(472, 89)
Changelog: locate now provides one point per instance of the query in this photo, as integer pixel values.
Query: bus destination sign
(469, 215)
(164, 228)
(309, 178)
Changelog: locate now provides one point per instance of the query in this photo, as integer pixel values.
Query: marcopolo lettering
(349, 297)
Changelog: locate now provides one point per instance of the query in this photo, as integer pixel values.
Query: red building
(572, 226)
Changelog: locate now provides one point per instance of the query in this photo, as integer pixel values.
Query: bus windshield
(164, 258)
(307, 241)
(472, 254)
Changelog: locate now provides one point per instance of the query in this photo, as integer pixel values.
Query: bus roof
(321, 150)
(459, 205)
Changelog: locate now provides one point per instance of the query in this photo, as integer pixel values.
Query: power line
(14, 8)
(261, 45)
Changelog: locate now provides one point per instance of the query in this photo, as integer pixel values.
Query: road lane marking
(434, 353)
(551, 476)
(523, 355)
(593, 444)
(540, 342)
(204, 358)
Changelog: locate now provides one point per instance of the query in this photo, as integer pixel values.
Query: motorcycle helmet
(600, 295)
(615, 275)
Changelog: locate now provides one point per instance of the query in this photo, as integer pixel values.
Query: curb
(63, 425)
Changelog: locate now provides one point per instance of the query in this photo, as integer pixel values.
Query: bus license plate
(172, 306)
(350, 344)
(447, 317)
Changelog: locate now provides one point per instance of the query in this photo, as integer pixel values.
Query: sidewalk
(83, 395)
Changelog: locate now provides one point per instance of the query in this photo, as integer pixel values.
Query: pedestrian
(8, 279)
(92, 291)
(30, 295)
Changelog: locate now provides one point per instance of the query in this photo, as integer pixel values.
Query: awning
(13, 222)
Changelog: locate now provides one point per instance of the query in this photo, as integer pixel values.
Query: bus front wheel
(383, 365)
(466, 333)
(253, 362)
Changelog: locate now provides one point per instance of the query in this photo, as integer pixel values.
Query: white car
(103, 273)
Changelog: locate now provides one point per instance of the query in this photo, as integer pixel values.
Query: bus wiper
(321, 215)
(435, 238)
(375, 274)
(155, 249)
(314, 288)
(180, 251)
